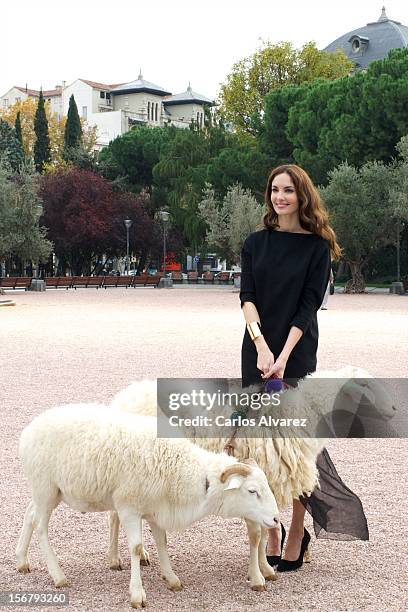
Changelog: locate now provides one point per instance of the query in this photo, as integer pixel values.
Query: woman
(285, 271)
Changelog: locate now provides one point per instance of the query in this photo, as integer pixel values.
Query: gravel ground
(77, 346)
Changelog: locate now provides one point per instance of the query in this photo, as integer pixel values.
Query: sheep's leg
(24, 540)
(167, 573)
(256, 580)
(115, 561)
(42, 513)
(266, 570)
(132, 524)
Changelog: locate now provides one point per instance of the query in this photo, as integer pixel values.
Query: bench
(153, 281)
(223, 277)
(192, 277)
(177, 277)
(58, 281)
(208, 277)
(87, 281)
(15, 282)
(118, 281)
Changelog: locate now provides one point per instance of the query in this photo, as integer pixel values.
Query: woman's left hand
(277, 369)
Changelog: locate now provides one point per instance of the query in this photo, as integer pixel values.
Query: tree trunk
(356, 284)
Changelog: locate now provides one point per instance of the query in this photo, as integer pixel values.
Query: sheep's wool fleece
(88, 451)
(289, 463)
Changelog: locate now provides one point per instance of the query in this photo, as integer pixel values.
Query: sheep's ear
(356, 391)
(234, 482)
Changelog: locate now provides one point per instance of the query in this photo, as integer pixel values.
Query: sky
(173, 42)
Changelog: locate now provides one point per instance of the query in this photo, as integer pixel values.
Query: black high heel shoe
(273, 560)
(288, 566)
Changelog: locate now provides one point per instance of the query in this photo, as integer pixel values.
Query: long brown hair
(313, 215)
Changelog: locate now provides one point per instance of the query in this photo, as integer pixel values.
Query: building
(115, 108)
(372, 41)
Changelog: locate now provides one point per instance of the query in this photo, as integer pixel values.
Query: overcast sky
(172, 41)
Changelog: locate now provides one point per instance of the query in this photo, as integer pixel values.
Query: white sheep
(288, 462)
(96, 459)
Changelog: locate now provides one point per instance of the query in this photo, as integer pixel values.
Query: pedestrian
(328, 291)
(285, 272)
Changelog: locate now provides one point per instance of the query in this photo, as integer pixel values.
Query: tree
(129, 159)
(56, 128)
(229, 222)
(84, 217)
(42, 152)
(242, 95)
(363, 214)
(10, 148)
(17, 127)
(73, 128)
(20, 210)
(354, 119)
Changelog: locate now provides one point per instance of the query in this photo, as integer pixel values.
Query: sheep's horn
(235, 468)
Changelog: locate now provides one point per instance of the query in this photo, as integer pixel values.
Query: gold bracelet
(254, 330)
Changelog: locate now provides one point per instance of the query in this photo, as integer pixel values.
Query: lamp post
(128, 224)
(164, 217)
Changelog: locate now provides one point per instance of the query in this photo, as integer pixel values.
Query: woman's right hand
(266, 358)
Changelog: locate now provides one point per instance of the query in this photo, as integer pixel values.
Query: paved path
(64, 346)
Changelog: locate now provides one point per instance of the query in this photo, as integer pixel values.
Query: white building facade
(115, 108)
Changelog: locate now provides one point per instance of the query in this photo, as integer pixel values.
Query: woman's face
(283, 195)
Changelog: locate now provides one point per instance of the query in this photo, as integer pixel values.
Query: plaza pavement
(77, 346)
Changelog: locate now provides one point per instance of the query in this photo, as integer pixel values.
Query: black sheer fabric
(337, 512)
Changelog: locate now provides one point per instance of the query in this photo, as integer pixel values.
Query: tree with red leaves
(84, 217)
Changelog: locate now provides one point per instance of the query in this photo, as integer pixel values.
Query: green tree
(20, 211)
(10, 147)
(42, 152)
(17, 127)
(354, 119)
(363, 214)
(73, 128)
(242, 95)
(229, 221)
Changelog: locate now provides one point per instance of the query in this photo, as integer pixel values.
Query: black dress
(285, 275)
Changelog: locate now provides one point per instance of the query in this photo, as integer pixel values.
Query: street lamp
(164, 217)
(128, 224)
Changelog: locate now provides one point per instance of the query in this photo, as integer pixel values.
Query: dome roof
(187, 97)
(139, 86)
(373, 41)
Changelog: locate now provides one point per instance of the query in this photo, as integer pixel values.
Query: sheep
(96, 459)
(288, 462)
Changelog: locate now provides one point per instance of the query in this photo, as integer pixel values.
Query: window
(148, 111)
(102, 95)
(5, 102)
(355, 45)
(18, 99)
(107, 95)
(156, 111)
(84, 112)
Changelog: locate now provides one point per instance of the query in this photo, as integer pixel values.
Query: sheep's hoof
(116, 564)
(174, 584)
(258, 587)
(24, 568)
(138, 600)
(272, 576)
(61, 582)
(177, 587)
(144, 558)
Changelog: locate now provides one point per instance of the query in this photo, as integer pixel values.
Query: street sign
(196, 258)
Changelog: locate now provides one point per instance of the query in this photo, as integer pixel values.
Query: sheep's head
(246, 494)
(362, 388)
